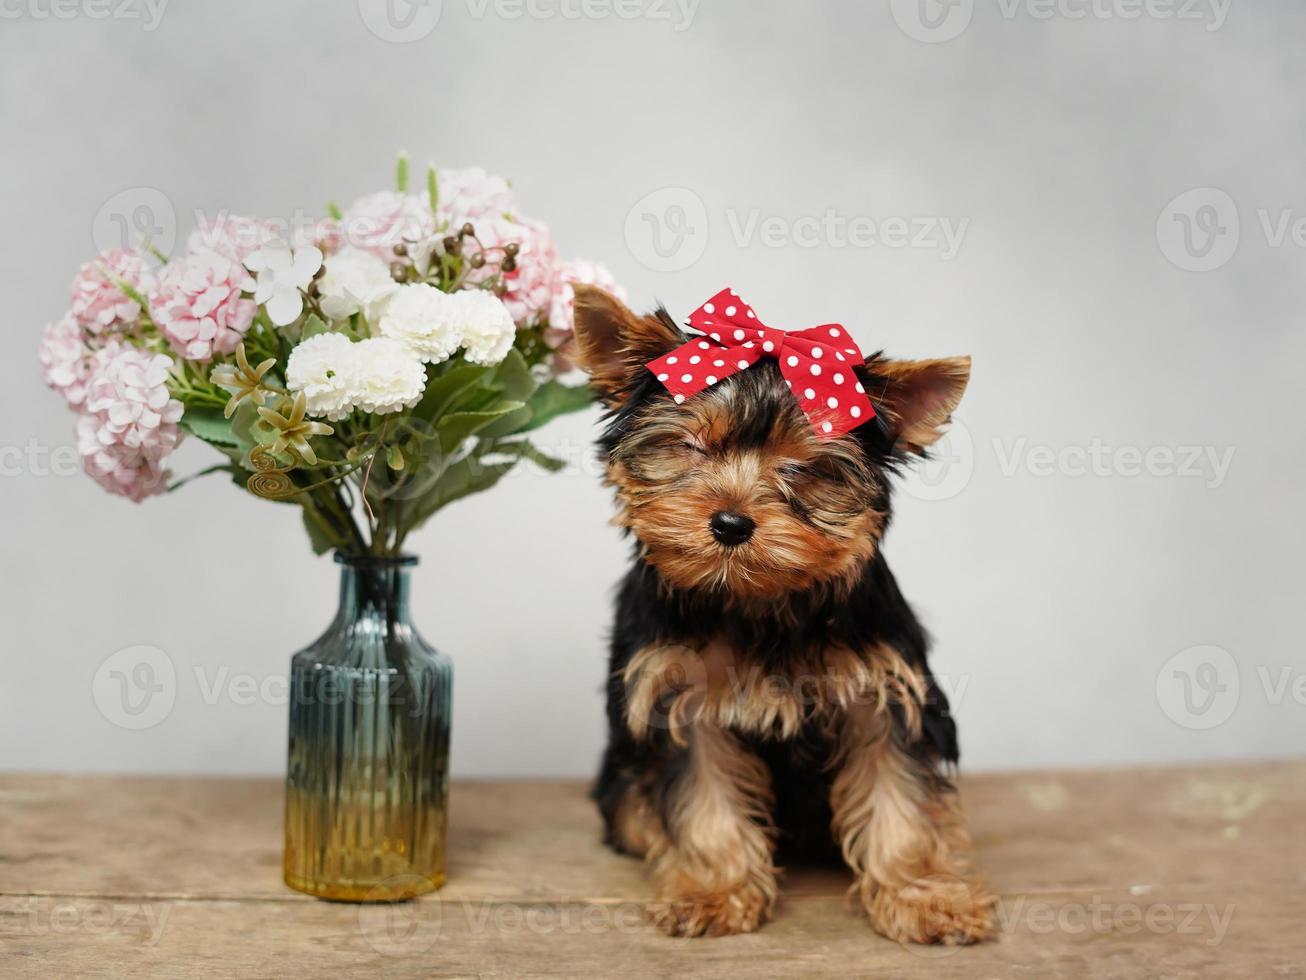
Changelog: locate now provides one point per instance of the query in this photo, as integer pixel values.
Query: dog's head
(731, 491)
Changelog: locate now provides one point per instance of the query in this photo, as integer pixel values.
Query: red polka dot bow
(817, 363)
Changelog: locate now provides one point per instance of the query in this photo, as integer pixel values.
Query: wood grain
(1175, 873)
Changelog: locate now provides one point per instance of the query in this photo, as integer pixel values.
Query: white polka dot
(742, 365)
(663, 377)
(793, 361)
(730, 311)
(751, 344)
(768, 346)
(838, 379)
(672, 360)
(711, 379)
(716, 337)
(709, 308)
(816, 352)
(809, 394)
(816, 369)
(739, 335)
(790, 384)
(834, 332)
(838, 355)
(832, 402)
(856, 412)
(686, 378)
(695, 359)
(703, 345)
(826, 427)
(860, 389)
(752, 314)
(850, 351)
(718, 363)
(679, 399)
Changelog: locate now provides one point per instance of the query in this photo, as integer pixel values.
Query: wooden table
(1143, 873)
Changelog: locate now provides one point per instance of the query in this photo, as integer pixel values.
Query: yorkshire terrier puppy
(769, 694)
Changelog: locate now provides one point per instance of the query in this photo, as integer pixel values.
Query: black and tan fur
(772, 700)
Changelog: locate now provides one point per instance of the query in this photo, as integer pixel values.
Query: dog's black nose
(730, 528)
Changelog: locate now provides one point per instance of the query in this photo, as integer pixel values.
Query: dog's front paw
(726, 912)
(935, 909)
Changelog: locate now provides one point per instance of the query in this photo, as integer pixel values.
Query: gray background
(1058, 599)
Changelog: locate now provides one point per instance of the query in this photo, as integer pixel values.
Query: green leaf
(312, 326)
(508, 424)
(432, 188)
(457, 426)
(333, 209)
(318, 536)
(207, 423)
(525, 449)
(242, 425)
(394, 457)
(461, 479)
(513, 378)
(401, 174)
(553, 398)
(444, 391)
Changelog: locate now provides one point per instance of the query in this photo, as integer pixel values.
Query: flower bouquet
(371, 368)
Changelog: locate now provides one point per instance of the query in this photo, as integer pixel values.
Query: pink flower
(471, 195)
(530, 287)
(231, 235)
(198, 305)
(130, 422)
(117, 469)
(66, 359)
(379, 222)
(562, 311)
(98, 302)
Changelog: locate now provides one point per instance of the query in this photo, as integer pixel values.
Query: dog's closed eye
(695, 446)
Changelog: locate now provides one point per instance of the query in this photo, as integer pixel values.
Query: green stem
(217, 468)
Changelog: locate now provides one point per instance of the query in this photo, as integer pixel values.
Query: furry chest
(675, 687)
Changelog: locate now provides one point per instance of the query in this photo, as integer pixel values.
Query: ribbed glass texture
(367, 784)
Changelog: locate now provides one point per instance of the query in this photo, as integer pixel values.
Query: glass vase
(367, 785)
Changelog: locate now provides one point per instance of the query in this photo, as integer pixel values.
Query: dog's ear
(916, 398)
(613, 344)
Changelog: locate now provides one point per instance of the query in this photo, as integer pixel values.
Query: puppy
(769, 693)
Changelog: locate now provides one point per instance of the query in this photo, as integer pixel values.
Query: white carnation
(487, 327)
(321, 367)
(386, 376)
(425, 320)
(355, 281)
